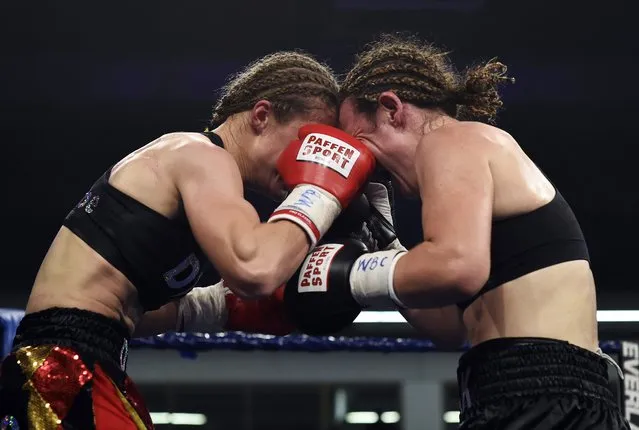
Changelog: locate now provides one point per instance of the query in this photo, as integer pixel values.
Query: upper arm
(456, 190)
(212, 192)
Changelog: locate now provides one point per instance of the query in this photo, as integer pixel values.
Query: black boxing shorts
(537, 384)
(66, 371)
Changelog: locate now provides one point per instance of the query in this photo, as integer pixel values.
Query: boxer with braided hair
(424, 76)
(503, 262)
(294, 83)
(129, 256)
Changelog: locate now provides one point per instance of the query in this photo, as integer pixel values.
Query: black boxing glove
(352, 224)
(381, 222)
(317, 298)
(336, 281)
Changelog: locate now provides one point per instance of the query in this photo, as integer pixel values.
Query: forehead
(315, 116)
(323, 115)
(350, 120)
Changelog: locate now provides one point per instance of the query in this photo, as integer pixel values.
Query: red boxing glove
(216, 308)
(325, 170)
(329, 158)
(266, 316)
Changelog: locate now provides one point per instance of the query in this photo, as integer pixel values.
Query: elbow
(252, 283)
(249, 275)
(468, 274)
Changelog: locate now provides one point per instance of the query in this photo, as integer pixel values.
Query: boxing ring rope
(188, 344)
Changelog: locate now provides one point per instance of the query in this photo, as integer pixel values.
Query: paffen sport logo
(314, 274)
(330, 152)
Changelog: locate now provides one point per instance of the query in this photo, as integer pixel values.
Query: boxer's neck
(238, 142)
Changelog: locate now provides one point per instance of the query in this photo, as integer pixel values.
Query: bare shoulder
(457, 138)
(469, 139)
(193, 156)
(480, 134)
(184, 144)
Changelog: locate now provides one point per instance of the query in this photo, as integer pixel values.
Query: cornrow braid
(423, 75)
(293, 82)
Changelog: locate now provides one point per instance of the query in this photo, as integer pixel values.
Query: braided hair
(294, 82)
(423, 75)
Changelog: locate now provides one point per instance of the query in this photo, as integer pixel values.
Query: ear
(260, 116)
(390, 109)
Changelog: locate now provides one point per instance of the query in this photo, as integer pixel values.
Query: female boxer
(141, 237)
(503, 261)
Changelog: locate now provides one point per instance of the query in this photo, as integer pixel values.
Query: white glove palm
(379, 197)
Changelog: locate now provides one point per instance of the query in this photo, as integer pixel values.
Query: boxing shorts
(67, 371)
(537, 384)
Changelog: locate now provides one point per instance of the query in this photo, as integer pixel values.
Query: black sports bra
(159, 255)
(523, 244)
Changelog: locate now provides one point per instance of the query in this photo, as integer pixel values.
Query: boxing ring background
(240, 358)
(85, 83)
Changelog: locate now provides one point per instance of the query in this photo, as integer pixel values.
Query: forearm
(157, 321)
(202, 309)
(424, 277)
(265, 258)
(282, 247)
(429, 277)
(269, 254)
(443, 326)
(344, 279)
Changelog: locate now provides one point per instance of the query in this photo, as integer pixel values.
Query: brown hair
(295, 83)
(423, 75)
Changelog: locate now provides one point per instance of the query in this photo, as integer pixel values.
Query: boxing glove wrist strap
(311, 208)
(396, 245)
(371, 280)
(203, 310)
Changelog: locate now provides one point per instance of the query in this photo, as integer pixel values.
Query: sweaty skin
(187, 169)
(467, 175)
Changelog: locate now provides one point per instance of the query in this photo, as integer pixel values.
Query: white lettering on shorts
(630, 360)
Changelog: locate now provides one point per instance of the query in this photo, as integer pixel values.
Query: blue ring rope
(190, 343)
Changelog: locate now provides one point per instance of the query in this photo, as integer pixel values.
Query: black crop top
(523, 244)
(159, 255)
